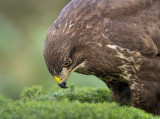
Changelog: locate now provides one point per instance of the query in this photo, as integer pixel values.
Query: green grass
(71, 103)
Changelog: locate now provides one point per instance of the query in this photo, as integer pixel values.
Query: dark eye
(67, 62)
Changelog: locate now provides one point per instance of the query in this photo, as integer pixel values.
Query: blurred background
(23, 28)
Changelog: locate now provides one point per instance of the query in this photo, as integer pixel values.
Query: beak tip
(62, 85)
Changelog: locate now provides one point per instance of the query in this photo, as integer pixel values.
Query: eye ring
(67, 63)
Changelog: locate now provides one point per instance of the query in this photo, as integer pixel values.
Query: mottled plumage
(116, 40)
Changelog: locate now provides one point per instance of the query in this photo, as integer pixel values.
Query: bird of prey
(117, 41)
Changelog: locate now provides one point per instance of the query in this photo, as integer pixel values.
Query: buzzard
(118, 41)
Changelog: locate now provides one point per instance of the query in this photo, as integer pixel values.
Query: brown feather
(118, 40)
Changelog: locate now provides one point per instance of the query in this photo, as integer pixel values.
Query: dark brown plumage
(116, 40)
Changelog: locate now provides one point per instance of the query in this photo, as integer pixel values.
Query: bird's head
(62, 70)
(63, 55)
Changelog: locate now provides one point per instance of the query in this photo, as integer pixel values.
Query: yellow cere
(68, 71)
(57, 79)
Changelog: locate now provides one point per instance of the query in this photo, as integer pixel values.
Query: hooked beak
(62, 81)
(62, 85)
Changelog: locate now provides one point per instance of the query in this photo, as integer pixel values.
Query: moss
(72, 103)
(71, 94)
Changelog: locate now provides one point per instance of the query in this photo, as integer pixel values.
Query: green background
(23, 28)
